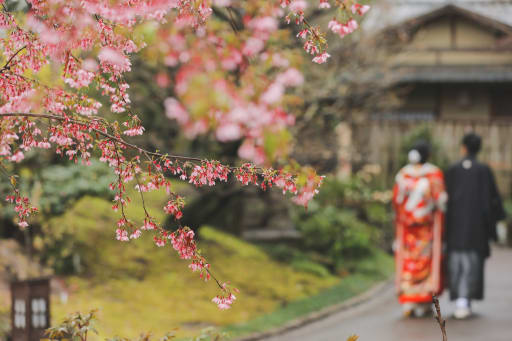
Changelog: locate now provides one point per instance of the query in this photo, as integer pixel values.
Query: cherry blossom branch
(115, 138)
(141, 196)
(22, 205)
(232, 20)
(104, 134)
(76, 132)
(120, 186)
(6, 66)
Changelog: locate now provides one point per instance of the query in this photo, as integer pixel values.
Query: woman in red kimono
(419, 200)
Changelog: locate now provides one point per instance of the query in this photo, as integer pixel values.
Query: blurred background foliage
(424, 133)
(347, 221)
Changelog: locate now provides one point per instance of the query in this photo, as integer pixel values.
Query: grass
(372, 270)
(139, 287)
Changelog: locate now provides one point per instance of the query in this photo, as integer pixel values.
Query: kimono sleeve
(439, 190)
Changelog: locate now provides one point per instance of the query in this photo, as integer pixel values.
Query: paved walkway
(380, 318)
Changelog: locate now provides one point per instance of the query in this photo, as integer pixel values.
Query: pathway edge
(320, 314)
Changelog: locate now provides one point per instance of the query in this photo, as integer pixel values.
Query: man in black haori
(474, 208)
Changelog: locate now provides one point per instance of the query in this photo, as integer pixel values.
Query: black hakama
(474, 208)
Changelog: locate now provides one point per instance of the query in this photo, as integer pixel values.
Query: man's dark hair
(473, 143)
(423, 147)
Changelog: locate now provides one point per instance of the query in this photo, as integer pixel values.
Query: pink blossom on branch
(360, 9)
(316, 42)
(321, 58)
(324, 4)
(90, 43)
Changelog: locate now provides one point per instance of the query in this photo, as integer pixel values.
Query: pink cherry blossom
(162, 80)
(322, 58)
(122, 235)
(335, 26)
(242, 76)
(303, 33)
(115, 58)
(135, 131)
(17, 157)
(253, 46)
(228, 132)
(224, 302)
(360, 9)
(23, 224)
(298, 5)
(136, 234)
(273, 94)
(148, 226)
(291, 77)
(175, 110)
(266, 24)
(352, 25)
(324, 4)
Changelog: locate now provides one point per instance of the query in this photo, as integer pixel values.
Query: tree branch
(104, 134)
(7, 66)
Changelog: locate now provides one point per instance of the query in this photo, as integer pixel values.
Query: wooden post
(344, 133)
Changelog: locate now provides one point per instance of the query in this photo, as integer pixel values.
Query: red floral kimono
(419, 200)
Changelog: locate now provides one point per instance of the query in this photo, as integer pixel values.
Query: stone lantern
(30, 309)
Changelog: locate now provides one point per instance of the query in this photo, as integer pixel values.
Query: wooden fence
(379, 142)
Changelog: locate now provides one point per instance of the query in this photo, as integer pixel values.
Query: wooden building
(30, 312)
(455, 67)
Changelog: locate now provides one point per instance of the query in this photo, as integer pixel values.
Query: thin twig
(6, 66)
(439, 317)
(232, 20)
(215, 278)
(141, 195)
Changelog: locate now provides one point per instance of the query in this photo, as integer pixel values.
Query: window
(39, 313)
(19, 314)
(502, 101)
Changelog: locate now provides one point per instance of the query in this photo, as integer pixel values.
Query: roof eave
(414, 23)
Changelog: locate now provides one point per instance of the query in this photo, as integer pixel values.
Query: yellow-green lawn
(139, 287)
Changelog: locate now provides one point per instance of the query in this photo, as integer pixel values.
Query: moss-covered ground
(139, 287)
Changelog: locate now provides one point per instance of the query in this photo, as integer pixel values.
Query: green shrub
(62, 185)
(339, 233)
(379, 215)
(437, 156)
(311, 267)
(283, 252)
(347, 220)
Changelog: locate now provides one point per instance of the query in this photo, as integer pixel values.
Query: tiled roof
(393, 12)
(453, 74)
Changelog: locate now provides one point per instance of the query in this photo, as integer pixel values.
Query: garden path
(379, 319)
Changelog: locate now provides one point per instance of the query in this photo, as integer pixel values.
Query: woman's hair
(420, 152)
(472, 142)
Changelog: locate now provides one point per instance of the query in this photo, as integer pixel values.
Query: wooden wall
(379, 142)
(453, 41)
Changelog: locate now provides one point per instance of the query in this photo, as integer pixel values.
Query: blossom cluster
(316, 43)
(224, 302)
(230, 77)
(22, 207)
